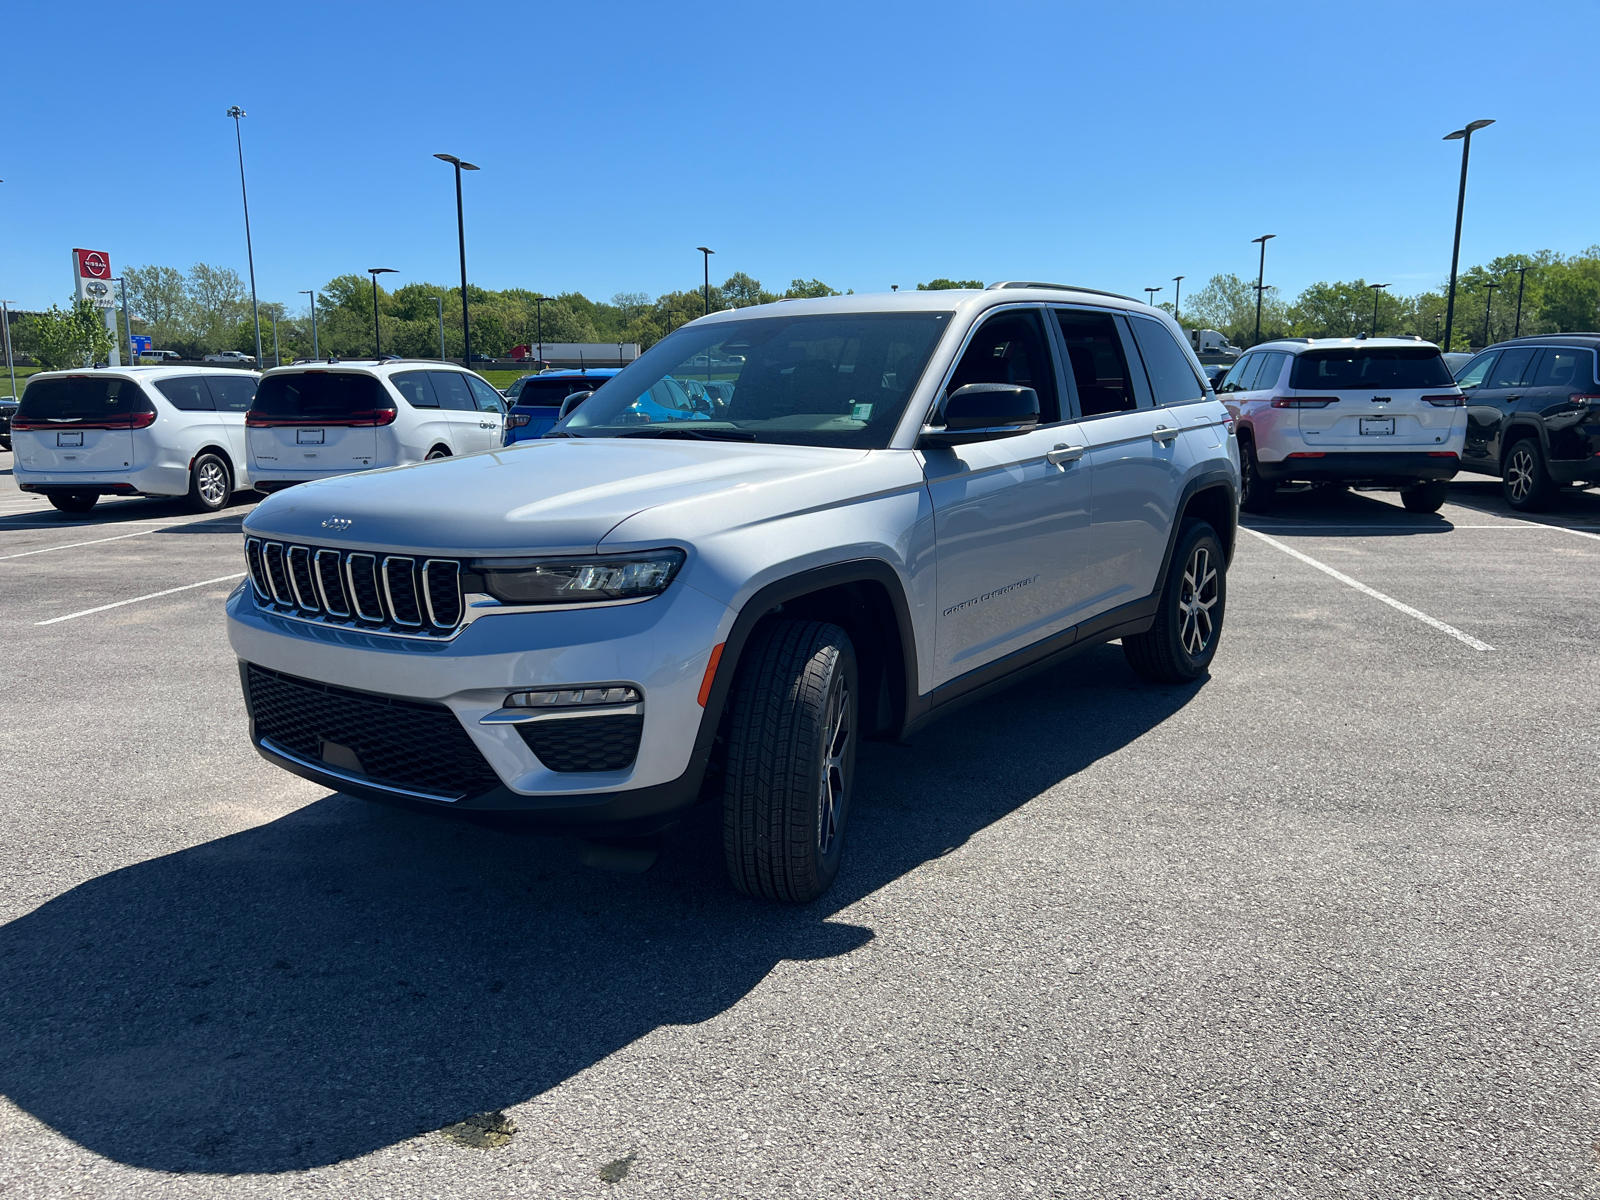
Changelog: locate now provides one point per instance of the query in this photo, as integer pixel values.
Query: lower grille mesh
(399, 742)
(585, 743)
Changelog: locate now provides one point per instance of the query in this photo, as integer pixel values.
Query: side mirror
(981, 412)
(572, 402)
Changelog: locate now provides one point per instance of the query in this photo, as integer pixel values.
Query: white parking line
(1466, 638)
(135, 600)
(75, 545)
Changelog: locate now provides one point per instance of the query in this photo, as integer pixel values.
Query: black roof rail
(1058, 287)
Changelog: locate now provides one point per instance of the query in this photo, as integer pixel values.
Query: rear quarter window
(1168, 366)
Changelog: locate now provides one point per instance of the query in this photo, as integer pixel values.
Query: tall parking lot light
(127, 321)
(276, 360)
(461, 237)
(1261, 281)
(1464, 136)
(438, 304)
(1376, 287)
(1177, 290)
(708, 253)
(1488, 306)
(1151, 292)
(1522, 279)
(315, 352)
(5, 322)
(377, 337)
(255, 309)
(538, 321)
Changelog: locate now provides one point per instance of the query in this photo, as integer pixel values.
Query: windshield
(828, 380)
(82, 398)
(319, 395)
(1360, 368)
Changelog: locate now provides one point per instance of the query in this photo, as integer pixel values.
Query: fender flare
(1202, 482)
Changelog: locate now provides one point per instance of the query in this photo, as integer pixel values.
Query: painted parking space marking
(1434, 622)
(137, 599)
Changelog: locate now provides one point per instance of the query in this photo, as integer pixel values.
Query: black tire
(210, 484)
(1256, 495)
(1524, 481)
(1425, 497)
(1183, 640)
(790, 761)
(437, 452)
(74, 502)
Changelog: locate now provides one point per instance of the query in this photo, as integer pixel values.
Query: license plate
(313, 437)
(1379, 426)
(75, 438)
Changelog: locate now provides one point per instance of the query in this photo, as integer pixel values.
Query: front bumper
(660, 646)
(1392, 468)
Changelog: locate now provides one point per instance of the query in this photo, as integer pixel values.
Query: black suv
(1533, 416)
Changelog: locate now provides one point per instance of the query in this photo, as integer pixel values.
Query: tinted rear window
(551, 392)
(318, 395)
(1360, 368)
(82, 397)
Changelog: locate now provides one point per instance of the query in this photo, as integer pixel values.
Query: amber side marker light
(711, 673)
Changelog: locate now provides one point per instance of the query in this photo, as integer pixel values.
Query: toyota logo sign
(96, 288)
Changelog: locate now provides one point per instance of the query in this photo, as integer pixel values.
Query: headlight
(575, 580)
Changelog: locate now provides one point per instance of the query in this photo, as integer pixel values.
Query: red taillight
(518, 420)
(1455, 401)
(133, 420)
(371, 416)
(1442, 454)
(1303, 401)
(1309, 454)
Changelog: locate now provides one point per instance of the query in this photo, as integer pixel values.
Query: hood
(556, 496)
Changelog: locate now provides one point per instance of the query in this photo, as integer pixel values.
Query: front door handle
(1162, 434)
(1064, 453)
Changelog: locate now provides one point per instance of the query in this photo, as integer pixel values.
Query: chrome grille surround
(395, 594)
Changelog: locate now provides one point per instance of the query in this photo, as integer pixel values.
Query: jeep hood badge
(337, 524)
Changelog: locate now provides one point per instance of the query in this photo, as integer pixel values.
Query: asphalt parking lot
(1324, 924)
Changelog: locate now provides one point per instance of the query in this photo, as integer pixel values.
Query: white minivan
(134, 431)
(317, 419)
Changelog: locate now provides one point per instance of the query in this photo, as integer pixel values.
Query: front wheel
(1525, 482)
(210, 485)
(1179, 646)
(790, 761)
(1425, 497)
(74, 502)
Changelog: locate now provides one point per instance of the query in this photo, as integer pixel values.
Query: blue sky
(1111, 145)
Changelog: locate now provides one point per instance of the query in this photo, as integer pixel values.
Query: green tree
(77, 337)
(1228, 305)
(800, 289)
(945, 285)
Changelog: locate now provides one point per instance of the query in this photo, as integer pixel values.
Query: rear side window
(451, 388)
(232, 393)
(1566, 368)
(1099, 370)
(1268, 373)
(416, 387)
(1514, 367)
(319, 395)
(1360, 367)
(189, 393)
(1168, 366)
(1010, 348)
(82, 398)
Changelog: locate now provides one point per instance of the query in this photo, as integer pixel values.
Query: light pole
(1463, 135)
(5, 316)
(1375, 289)
(1151, 292)
(708, 253)
(377, 337)
(276, 361)
(438, 303)
(1177, 290)
(236, 113)
(894, 287)
(1488, 306)
(127, 322)
(538, 318)
(1261, 281)
(315, 350)
(461, 237)
(1522, 279)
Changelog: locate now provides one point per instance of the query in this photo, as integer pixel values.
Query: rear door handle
(1064, 453)
(1162, 434)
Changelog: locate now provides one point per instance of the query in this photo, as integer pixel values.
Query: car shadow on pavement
(349, 976)
(1332, 512)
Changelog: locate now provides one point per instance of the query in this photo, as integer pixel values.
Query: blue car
(536, 399)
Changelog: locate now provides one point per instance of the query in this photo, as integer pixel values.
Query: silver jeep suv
(781, 530)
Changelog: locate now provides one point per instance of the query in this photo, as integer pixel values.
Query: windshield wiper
(707, 435)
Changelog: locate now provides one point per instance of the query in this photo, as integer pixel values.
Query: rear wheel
(1425, 497)
(437, 452)
(1524, 480)
(210, 484)
(1255, 494)
(74, 502)
(1183, 640)
(790, 763)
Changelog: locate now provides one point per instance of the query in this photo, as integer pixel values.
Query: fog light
(574, 697)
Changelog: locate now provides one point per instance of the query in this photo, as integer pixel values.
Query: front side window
(1359, 368)
(1010, 348)
(1099, 368)
(1565, 368)
(832, 379)
(1238, 376)
(1477, 370)
(1168, 366)
(188, 394)
(489, 400)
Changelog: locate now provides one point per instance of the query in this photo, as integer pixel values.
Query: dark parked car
(1533, 416)
(8, 409)
(536, 400)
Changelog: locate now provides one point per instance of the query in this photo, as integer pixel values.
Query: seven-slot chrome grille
(390, 593)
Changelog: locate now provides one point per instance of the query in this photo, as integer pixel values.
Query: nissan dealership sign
(92, 271)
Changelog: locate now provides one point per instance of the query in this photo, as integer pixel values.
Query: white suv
(124, 431)
(318, 419)
(1381, 412)
(782, 529)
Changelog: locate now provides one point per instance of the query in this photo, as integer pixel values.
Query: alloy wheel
(835, 787)
(212, 482)
(1519, 473)
(1196, 599)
